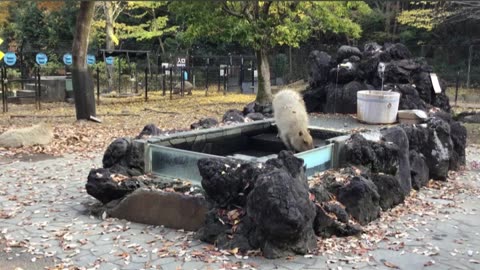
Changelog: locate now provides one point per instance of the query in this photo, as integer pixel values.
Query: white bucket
(377, 107)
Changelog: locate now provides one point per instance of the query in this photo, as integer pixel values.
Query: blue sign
(109, 60)
(10, 58)
(41, 59)
(185, 75)
(90, 59)
(67, 59)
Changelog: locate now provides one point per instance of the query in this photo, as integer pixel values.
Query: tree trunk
(264, 93)
(109, 44)
(82, 80)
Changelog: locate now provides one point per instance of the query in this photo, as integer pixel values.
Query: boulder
(265, 109)
(315, 99)
(361, 199)
(170, 209)
(282, 213)
(264, 206)
(390, 190)
(255, 116)
(376, 156)
(409, 97)
(398, 51)
(233, 115)
(319, 64)
(345, 100)
(188, 87)
(40, 134)
(344, 52)
(105, 186)
(222, 181)
(125, 157)
(400, 71)
(204, 123)
(329, 223)
(398, 136)
(249, 108)
(458, 134)
(344, 74)
(424, 86)
(434, 142)
(419, 169)
(149, 130)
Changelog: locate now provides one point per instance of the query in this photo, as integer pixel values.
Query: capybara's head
(304, 141)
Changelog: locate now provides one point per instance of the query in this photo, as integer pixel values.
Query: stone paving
(45, 221)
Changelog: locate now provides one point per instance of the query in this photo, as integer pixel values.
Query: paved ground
(45, 221)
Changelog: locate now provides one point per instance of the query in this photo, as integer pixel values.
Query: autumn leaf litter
(89, 139)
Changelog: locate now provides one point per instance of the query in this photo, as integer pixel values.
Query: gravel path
(45, 221)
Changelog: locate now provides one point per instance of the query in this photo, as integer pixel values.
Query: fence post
(219, 78)
(146, 84)
(39, 90)
(241, 77)
(182, 81)
(171, 83)
(4, 100)
(253, 77)
(456, 86)
(206, 81)
(225, 81)
(470, 54)
(98, 85)
(163, 80)
(119, 76)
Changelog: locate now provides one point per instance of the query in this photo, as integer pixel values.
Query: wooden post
(206, 81)
(470, 54)
(98, 85)
(146, 84)
(171, 83)
(456, 86)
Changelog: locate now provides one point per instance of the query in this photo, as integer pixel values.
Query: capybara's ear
(300, 133)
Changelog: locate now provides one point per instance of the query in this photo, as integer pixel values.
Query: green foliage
(146, 21)
(267, 24)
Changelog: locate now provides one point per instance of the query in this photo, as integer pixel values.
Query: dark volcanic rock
(124, 157)
(361, 199)
(280, 207)
(319, 64)
(101, 186)
(344, 74)
(222, 181)
(400, 71)
(434, 142)
(398, 136)
(149, 130)
(265, 109)
(409, 97)
(328, 223)
(424, 86)
(344, 98)
(376, 156)
(390, 191)
(255, 116)
(279, 213)
(344, 52)
(315, 99)
(398, 51)
(249, 108)
(204, 123)
(419, 170)
(233, 115)
(458, 134)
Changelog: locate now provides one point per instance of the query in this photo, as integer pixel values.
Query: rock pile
(334, 82)
(266, 206)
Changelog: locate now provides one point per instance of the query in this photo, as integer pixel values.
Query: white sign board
(435, 83)
(181, 62)
(222, 70)
(255, 73)
(167, 68)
